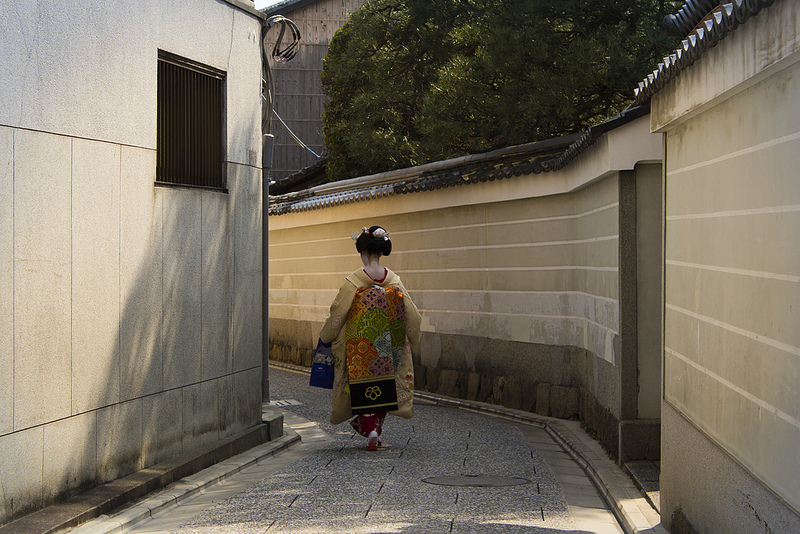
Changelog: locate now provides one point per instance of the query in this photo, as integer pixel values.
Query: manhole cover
(480, 481)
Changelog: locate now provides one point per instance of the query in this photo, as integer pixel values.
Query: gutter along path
(455, 467)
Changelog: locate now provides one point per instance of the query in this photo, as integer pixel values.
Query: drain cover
(285, 402)
(479, 481)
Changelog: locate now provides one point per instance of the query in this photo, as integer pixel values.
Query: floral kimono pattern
(375, 334)
(374, 328)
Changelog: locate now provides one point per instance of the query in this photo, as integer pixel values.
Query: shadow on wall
(190, 359)
(175, 363)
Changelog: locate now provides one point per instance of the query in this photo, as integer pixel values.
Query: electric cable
(302, 144)
(280, 55)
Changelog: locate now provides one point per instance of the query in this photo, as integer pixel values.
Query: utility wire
(302, 144)
(280, 55)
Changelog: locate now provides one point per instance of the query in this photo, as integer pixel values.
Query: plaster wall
(131, 333)
(713, 490)
(732, 348)
(517, 280)
(87, 70)
(507, 270)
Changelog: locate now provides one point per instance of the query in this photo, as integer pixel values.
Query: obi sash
(375, 334)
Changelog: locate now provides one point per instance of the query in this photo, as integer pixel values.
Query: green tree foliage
(413, 81)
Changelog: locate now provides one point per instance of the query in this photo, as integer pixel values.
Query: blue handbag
(322, 366)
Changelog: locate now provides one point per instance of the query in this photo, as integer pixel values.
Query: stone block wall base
(600, 423)
(292, 341)
(624, 441)
(293, 355)
(639, 440)
(542, 398)
(553, 381)
(564, 402)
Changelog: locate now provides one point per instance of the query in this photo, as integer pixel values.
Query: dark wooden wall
(298, 97)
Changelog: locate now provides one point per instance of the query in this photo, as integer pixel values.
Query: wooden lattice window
(190, 145)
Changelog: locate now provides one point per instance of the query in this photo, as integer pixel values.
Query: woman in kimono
(375, 328)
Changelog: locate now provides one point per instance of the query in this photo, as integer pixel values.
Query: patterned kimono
(374, 327)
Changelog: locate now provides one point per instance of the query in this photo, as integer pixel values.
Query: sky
(261, 4)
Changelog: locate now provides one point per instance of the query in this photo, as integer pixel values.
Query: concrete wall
(130, 313)
(732, 291)
(518, 280)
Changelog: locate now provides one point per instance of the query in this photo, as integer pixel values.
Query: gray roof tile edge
(709, 32)
(285, 7)
(466, 170)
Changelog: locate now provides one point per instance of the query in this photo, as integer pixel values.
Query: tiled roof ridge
(689, 16)
(286, 6)
(535, 158)
(708, 33)
(714, 27)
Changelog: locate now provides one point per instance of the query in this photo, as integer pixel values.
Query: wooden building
(298, 99)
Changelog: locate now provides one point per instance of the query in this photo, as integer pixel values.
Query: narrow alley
(445, 470)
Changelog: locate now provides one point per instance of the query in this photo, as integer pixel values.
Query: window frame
(191, 134)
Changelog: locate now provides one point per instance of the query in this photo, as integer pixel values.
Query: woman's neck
(373, 267)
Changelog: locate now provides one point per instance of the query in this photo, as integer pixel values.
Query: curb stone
(633, 511)
(186, 488)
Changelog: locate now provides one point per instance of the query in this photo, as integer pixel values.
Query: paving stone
(331, 483)
(356, 490)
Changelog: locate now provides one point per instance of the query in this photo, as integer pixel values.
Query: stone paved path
(331, 483)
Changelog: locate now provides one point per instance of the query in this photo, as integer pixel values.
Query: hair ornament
(379, 233)
(373, 240)
(355, 236)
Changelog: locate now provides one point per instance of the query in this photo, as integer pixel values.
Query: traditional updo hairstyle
(374, 240)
